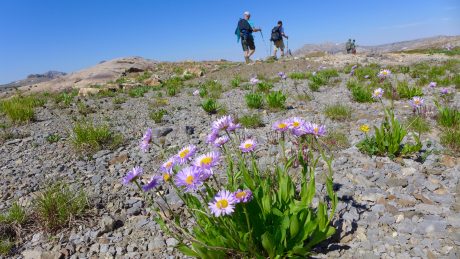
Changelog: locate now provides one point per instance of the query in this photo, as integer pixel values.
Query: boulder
(85, 91)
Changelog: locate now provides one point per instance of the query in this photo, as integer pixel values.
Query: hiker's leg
(251, 52)
(282, 52)
(274, 52)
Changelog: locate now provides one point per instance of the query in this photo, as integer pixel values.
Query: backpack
(276, 34)
(348, 45)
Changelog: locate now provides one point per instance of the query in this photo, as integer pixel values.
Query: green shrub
(171, 91)
(213, 89)
(451, 139)
(210, 106)
(276, 100)
(16, 215)
(144, 76)
(264, 87)
(64, 99)
(316, 81)
(298, 75)
(53, 138)
(367, 72)
(5, 246)
(361, 93)
(20, 109)
(157, 116)
(251, 121)
(448, 116)
(388, 138)
(88, 138)
(405, 91)
(57, 205)
(254, 100)
(84, 109)
(119, 100)
(338, 112)
(10, 223)
(236, 81)
(328, 73)
(105, 93)
(139, 91)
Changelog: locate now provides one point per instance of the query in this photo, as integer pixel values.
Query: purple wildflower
(220, 141)
(186, 154)
(378, 93)
(208, 160)
(145, 142)
(297, 126)
(254, 81)
(153, 183)
(416, 102)
(233, 126)
(315, 129)
(223, 203)
(248, 145)
(196, 92)
(444, 91)
(168, 166)
(432, 84)
(212, 137)
(223, 123)
(282, 75)
(384, 73)
(243, 195)
(281, 126)
(190, 178)
(132, 175)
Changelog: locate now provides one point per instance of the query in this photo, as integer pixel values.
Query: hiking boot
(247, 60)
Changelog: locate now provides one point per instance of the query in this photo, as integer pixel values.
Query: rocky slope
(388, 208)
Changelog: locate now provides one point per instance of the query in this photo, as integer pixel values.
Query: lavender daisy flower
(168, 166)
(366, 76)
(315, 129)
(233, 126)
(280, 126)
(384, 73)
(282, 75)
(432, 84)
(243, 196)
(248, 145)
(145, 142)
(223, 203)
(132, 175)
(222, 124)
(186, 154)
(212, 137)
(196, 92)
(190, 178)
(254, 81)
(444, 91)
(166, 177)
(153, 183)
(297, 126)
(416, 102)
(378, 93)
(206, 161)
(220, 141)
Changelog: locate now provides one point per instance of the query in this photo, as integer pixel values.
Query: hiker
(244, 31)
(353, 47)
(277, 38)
(348, 46)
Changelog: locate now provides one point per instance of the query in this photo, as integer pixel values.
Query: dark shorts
(248, 43)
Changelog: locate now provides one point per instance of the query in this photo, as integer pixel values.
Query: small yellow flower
(364, 128)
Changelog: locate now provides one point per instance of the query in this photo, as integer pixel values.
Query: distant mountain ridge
(431, 42)
(35, 79)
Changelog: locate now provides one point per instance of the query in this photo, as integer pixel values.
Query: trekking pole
(265, 43)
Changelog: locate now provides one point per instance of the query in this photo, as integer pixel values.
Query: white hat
(247, 13)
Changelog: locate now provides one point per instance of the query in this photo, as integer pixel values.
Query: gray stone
(157, 244)
(172, 242)
(106, 224)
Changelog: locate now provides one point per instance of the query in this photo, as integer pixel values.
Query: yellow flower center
(316, 129)
(222, 204)
(296, 124)
(184, 153)
(240, 195)
(168, 164)
(166, 177)
(282, 125)
(248, 145)
(364, 128)
(206, 160)
(189, 179)
(416, 101)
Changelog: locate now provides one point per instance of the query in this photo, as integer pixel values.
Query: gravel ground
(388, 208)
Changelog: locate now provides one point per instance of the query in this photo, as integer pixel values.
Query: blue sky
(68, 35)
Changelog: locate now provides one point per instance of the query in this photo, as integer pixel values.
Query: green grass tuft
(338, 112)
(20, 109)
(251, 121)
(254, 100)
(88, 138)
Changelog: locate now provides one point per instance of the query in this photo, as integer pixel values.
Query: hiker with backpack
(348, 46)
(277, 38)
(244, 32)
(353, 47)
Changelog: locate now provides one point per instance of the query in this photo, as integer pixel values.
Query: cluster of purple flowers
(352, 71)
(282, 75)
(146, 139)
(299, 127)
(223, 125)
(225, 201)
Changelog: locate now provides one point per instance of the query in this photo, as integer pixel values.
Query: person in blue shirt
(244, 30)
(277, 38)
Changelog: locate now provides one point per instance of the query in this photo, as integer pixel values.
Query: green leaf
(187, 251)
(267, 244)
(294, 227)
